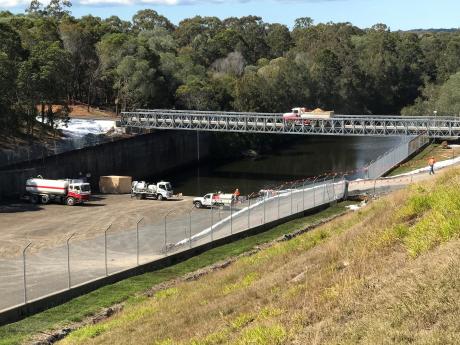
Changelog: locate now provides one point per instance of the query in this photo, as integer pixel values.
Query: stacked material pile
(115, 184)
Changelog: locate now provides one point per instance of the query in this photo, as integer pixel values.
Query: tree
(79, 40)
(278, 39)
(252, 37)
(43, 78)
(11, 55)
(233, 64)
(58, 8)
(35, 8)
(448, 102)
(303, 23)
(196, 94)
(149, 19)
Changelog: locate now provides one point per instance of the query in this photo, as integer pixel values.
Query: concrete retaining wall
(153, 154)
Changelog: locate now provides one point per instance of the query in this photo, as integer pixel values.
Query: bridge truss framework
(343, 125)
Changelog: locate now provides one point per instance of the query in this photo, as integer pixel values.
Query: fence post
(333, 185)
(314, 192)
(105, 249)
(249, 212)
(166, 236)
(68, 261)
(279, 200)
(291, 198)
(24, 271)
(137, 240)
(265, 201)
(190, 227)
(324, 190)
(212, 224)
(303, 195)
(231, 218)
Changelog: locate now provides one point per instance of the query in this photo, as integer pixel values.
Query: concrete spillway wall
(153, 154)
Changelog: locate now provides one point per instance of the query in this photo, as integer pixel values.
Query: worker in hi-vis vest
(431, 162)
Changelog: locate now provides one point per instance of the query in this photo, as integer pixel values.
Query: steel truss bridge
(344, 125)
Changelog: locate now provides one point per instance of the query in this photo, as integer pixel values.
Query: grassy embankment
(421, 159)
(129, 289)
(389, 273)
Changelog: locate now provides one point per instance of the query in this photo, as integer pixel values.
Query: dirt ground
(81, 112)
(50, 225)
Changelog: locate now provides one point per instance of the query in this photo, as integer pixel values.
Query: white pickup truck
(214, 200)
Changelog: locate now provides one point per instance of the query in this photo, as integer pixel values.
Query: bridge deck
(356, 125)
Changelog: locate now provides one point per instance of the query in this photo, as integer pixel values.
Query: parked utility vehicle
(68, 191)
(214, 200)
(161, 190)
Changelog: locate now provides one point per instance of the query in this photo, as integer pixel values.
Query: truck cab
(78, 192)
(165, 190)
(296, 116)
(205, 201)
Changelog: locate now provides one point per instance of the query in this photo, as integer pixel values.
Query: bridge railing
(352, 116)
(395, 156)
(440, 127)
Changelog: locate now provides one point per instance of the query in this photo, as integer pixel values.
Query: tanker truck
(69, 192)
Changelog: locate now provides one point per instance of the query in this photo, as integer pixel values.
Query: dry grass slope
(388, 274)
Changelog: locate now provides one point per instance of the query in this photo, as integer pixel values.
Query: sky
(397, 14)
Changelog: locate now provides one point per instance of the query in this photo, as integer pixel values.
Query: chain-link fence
(39, 273)
(36, 274)
(26, 153)
(390, 159)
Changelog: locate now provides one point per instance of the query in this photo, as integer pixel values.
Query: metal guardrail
(436, 127)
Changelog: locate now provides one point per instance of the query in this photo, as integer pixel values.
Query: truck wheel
(160, 197)
(45, 199)
(198, 204)
(138, 196)
(70, 201)
(34, 199)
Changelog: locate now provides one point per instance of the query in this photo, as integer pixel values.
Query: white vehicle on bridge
(161, 190)
(303, 115)
(214, 200)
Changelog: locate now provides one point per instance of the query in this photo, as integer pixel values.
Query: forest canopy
(49, 57)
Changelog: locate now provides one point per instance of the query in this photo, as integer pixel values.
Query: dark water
(308, 157)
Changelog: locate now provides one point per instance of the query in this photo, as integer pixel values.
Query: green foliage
(430, 216)
(448, 102)
(126, 290)
(206, 63)
(263, 335)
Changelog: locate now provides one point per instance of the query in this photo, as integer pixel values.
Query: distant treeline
(49, 57)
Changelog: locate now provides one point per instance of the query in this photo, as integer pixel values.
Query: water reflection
(308, 157)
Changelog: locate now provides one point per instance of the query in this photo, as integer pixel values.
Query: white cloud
(4, 4)
(23, 3)
(11, 3)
